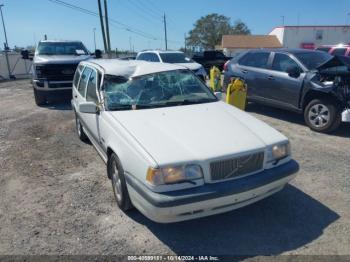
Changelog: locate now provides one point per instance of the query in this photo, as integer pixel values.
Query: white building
(311, 37)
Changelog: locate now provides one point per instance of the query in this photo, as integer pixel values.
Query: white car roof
(131, 68)
(161, 52)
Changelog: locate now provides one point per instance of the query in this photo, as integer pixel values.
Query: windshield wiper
(120, 107)
(190, 101)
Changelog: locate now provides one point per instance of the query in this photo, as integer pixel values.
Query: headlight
(173, 174)
(38, 70)
(278, 152)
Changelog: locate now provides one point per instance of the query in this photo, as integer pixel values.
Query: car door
(253, 68)
(91, 121)
(284, 87)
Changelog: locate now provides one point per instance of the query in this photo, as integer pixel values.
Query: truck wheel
(80, 131)
(322, 116)
(116, 174)
(40, 98)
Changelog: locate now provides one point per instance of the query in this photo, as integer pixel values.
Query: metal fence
(19, 67)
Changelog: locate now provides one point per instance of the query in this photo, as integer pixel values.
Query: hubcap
(117, 185)
(319, 115)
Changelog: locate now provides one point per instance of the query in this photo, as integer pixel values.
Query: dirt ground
(55, 197)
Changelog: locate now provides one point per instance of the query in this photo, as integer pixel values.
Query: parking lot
(55, 197)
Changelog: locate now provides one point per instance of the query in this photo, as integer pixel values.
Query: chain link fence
(19, 68)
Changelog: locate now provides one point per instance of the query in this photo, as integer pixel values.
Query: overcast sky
(27, 21)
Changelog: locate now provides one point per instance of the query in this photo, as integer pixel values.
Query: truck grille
(57, 72)
(235, 167)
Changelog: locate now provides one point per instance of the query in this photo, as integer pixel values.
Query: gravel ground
(55, 197)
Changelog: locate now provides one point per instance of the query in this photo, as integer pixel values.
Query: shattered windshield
(170, 88)
(61, 48)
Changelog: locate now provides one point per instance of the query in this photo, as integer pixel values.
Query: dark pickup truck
(208, 59)
(313, 83)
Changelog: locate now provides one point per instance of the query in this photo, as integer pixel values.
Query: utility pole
(95, 38)
(107, 29)
(6, 45)
(102, 26)
(185, 43)
(165, 33)
(130, 44)
(282, 16)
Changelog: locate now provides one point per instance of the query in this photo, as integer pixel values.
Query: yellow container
(215, 79)
(237, 94)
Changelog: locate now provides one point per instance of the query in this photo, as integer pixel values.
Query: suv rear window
(257, 59)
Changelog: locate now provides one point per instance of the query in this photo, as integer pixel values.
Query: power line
(113, 22)
(116, 22)
(140, 11)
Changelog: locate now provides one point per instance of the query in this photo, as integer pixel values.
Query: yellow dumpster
(237, 93)
(215, 79)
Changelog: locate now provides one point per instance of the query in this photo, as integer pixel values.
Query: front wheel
(322, 116)
(116, 174)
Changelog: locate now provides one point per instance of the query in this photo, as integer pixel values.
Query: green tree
(208, 30)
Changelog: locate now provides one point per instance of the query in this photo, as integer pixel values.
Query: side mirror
(88, 108)
(25, 54)
(98, 53)
(294, 71)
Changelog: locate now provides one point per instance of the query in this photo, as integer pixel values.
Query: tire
(40, 98)
(322, 116)
(80, 131)
(116, 174)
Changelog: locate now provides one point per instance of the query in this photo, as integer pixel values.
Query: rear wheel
(116, 174)
(40, 97)
(322, 116)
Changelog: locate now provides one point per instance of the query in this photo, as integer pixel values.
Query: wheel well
(311, 95)
(109, 153)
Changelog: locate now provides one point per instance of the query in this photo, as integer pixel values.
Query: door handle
(271, 78)
(244, 71)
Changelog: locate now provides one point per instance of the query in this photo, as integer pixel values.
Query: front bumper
(46, 85)
(209, 199)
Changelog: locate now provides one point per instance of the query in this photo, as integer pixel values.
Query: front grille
(57, 72)
(235, 167)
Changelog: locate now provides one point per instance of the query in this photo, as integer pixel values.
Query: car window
(258, 59)
(91, 94)
(283, 63)
(175, 58)
(153, 57)
(219, 55)
(77, 75)
(339, 51)
(324, 49)
(312, 59)
(142, 56)
(84, 80)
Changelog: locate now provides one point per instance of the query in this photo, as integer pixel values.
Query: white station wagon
(172, 149)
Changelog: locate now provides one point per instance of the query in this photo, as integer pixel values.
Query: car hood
(191, 66)
(181, 134)
(60, 59)
(334, 62)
